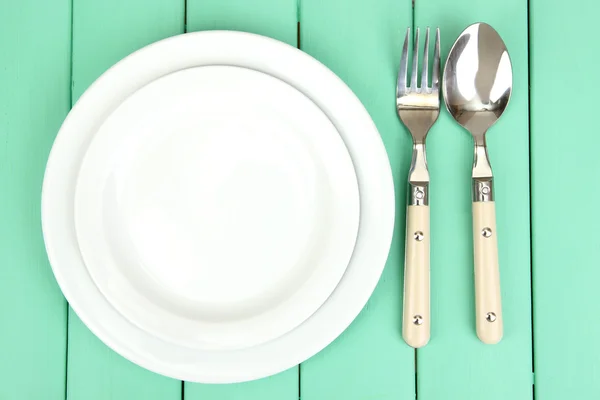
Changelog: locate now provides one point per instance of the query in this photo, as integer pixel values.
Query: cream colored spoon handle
(488, 305)
(416, 315)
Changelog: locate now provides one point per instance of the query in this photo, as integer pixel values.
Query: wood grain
(103, 33)
(455, 364)
(34, 99)
(361, 42)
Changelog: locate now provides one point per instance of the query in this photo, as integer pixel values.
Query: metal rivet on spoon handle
(477, 87)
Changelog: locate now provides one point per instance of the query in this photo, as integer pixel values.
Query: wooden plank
(106, 31)
(34, 100)
(97, 372)
(455, 364)
(276, 19)
(361, 42)
(283, 386)
(565, 171)
(273, 18)
(103, 33)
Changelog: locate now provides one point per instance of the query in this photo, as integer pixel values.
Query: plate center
(206, 184)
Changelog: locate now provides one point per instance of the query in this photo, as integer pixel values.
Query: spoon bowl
(477, 78)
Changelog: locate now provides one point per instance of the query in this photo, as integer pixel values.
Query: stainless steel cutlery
(476, 87)
(418, 108)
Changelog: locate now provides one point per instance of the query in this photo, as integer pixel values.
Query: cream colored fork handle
(488, 305)
(416, 315)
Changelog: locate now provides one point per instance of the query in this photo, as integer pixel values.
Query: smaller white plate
(217, 208)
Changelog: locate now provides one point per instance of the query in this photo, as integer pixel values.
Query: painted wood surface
(50, 52)
(34, 99)
(565, 168)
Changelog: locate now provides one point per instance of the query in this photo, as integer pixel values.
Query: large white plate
(217, 207)
(358, 133)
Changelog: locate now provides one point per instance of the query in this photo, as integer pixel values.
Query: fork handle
(416, 315)
(488, 305)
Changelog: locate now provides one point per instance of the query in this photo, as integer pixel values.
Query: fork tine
(435, 76)
(415, 63)
(402, 70)
(425, 69)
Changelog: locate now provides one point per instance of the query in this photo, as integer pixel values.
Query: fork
(418, 108)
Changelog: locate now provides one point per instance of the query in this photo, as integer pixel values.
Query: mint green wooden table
(547, 191)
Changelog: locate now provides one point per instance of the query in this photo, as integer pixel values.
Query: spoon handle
(416, 315)
(488, 305)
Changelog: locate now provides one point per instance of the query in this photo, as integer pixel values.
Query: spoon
(477, 86)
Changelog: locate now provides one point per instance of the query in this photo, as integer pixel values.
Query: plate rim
(378, 225)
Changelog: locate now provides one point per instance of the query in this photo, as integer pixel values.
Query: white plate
(217, 207)
(358, 133)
